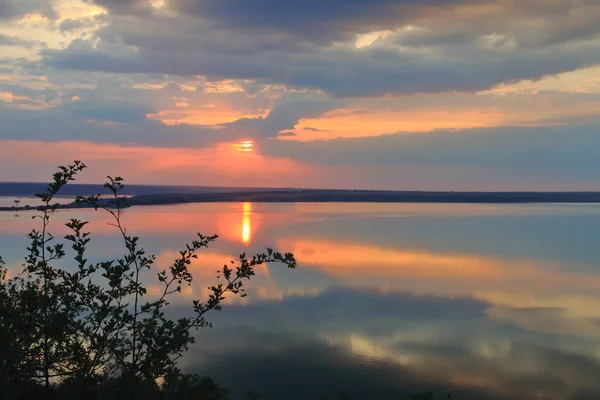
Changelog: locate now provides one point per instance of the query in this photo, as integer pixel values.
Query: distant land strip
(363, 196)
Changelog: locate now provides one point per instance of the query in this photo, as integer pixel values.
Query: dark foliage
(89, 331)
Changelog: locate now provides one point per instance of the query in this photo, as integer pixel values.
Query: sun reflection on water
(246, 223)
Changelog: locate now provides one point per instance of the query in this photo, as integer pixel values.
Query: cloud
(6, 40)
(548, 319)
(123, 112)
(442, 159)
(105, 125)
(71, 25)
(525, 25)
(200, 73)
(430, 47)
(329, 21)
(341, 71)
(535, 21)
(123, 7)
(545, 148)
(85, 118)
(301, 368)
(286, 113)
(10, 9)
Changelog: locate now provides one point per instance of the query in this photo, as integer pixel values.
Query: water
(486, 301)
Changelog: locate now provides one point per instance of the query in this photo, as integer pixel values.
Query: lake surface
(485, 301)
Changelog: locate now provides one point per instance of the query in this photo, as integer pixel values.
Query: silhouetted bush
(89, 332)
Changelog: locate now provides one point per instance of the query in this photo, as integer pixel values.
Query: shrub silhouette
(89, 331)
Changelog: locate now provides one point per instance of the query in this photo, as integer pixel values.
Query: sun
(245, 147)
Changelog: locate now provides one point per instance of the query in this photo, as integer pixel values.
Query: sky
(356, 94)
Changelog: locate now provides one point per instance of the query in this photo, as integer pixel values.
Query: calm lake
(484, 301)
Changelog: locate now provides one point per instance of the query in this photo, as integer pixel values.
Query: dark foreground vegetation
(90, 331)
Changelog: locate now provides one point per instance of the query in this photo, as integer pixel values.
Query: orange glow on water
(246, 223)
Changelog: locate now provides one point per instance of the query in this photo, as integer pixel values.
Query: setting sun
(245, 146)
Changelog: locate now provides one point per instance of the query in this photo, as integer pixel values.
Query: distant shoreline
(345, 196)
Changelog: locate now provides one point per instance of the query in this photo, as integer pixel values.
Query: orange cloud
(7, 97)
(498, 280)
(348, 123)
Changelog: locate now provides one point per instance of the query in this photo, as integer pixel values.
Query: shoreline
(343, 196)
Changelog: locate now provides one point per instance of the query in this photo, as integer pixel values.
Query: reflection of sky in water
(493, 301)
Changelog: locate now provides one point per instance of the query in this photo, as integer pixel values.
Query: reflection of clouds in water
(520, 370)
(505, 286)
(549, 319)
(352, 260)
(305, 369)
(392, 341)
(412, 210)
(510, 282)
(492, 318)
